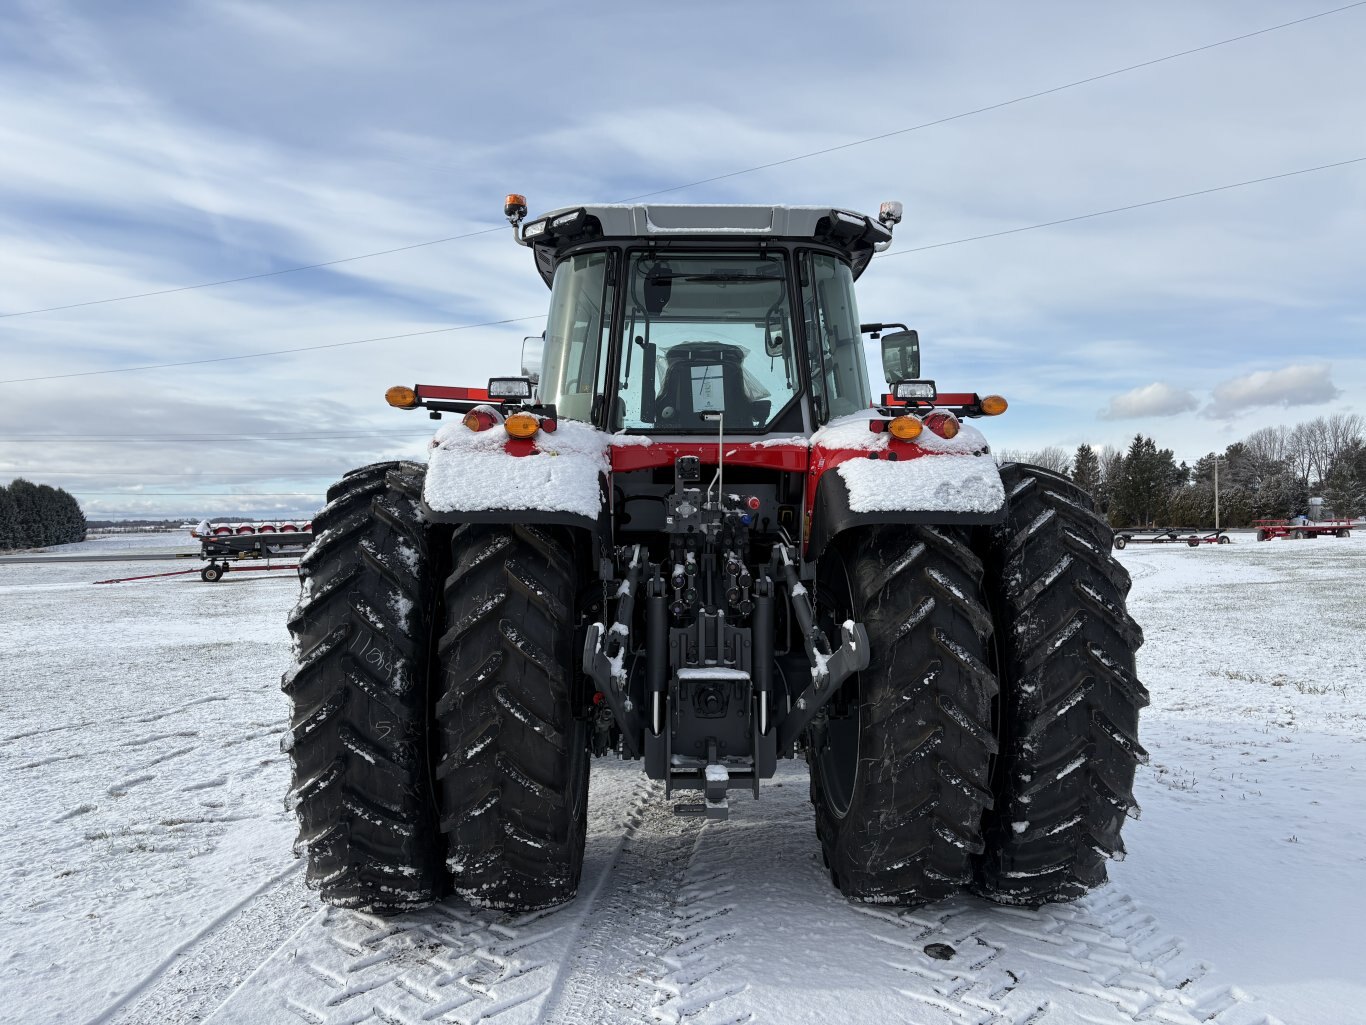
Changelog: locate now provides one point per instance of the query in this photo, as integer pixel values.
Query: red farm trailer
(1268, 530)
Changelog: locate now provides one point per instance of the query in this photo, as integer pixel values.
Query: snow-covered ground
(147, 873)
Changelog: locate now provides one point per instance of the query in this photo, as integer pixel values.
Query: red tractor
(690, 535)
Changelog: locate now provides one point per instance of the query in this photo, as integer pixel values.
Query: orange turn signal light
(993, 405)
(522, 425)
(401, 397)
(905, 428)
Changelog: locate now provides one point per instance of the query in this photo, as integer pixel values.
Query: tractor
(689, 534)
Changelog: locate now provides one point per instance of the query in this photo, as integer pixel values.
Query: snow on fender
(473, 471)
(931, 474)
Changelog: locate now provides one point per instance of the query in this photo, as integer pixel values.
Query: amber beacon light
(401, 397)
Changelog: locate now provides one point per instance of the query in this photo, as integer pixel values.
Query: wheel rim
(837, 762)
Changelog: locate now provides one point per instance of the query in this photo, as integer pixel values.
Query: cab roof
(855, 233)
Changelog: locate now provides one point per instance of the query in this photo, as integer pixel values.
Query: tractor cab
(683, 320)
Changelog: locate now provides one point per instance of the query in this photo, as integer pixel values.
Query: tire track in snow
(625, 926)
(138, 989)
(453, 963)
(137, 717)
(1101, 960)
(762, 936)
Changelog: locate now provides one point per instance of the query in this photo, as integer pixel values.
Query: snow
(712, 673)
(147, 873)
(469, 471)
(852, 431)
(958, 476)
(969, 484)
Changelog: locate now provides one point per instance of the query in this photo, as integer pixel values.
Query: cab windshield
(705, 334)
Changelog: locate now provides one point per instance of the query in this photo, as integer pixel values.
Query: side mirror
(533, 352)
(901, 356)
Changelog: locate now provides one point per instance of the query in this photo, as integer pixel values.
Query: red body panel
(789, 457)
(442, 391)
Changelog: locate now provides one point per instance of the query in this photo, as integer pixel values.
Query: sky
(150, 146)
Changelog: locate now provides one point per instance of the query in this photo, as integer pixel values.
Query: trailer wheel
(1069, 695)
(900, 771)
(1224, 539)
(1344, 532)
(1193, 542)
(210, 574)
(1121, 541)
(359, 731)
(513, 769)
(1296, 535)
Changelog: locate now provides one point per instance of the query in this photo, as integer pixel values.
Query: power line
(253, 436)
(197, 494)
(286, 475)
(257, 277)
(702, 181)
(996, 106)
(191, 441)
(276, 352)
(1122, 209)
(904, 252)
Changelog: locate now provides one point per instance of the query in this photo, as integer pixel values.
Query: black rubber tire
(359, 732)
(1121, 541)
(513, 769)
(901, 822)
(1070, 698)
(210, 574)
(1225, 539)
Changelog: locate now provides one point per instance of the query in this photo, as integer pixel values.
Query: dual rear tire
(1001, 693)
(434, 745)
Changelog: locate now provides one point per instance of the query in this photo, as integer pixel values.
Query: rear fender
(486, 477)
(834, 510)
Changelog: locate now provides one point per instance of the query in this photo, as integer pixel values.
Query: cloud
(1156, 399)
(1296, 385)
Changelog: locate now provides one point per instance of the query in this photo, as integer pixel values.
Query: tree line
(35, 515)
(1270, 474)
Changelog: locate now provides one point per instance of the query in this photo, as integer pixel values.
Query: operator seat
(693, 371)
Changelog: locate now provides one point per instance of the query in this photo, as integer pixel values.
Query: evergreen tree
(1086, 470)
(1148, 479)
(35, 515)
(1111, 478)
(1343, 488)
(28, 512)
(73, 524)
(9, 521)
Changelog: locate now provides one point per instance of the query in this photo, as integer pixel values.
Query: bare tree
(1052, 458)
(1268, 446)
(1342, 431)
(1302, 450)
(1316, 445)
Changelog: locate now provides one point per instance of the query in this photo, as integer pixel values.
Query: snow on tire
(513, 769)
(358, 739)
(1070, 697)
(899, 776)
